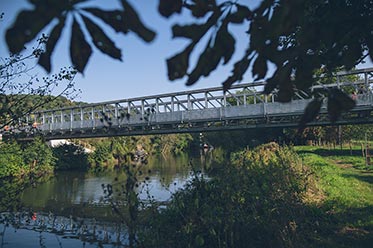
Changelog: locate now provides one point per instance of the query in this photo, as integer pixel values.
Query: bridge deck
(243, 106)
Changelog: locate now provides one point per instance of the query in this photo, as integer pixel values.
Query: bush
(70, 156)
(39, 157)
(255, 202)
(101, 158)
(11, 160)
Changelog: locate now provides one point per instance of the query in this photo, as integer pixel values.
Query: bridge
(241, 107)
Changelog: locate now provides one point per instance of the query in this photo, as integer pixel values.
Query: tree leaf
(338, 102)
(286, 91)
(177, 65)
(333, 108)
(310, 113)
(134, 23)
(304, 72)
(223, 47)
(114, 18)
(225, 43)
(369, 43)
(27, 25)
(80, 50)
(239, 69)
(167, 7)
(45, 58)
(281, 79)
(193, 31)
(201, 7)
(101, 40)
(243, 13)
(259, 68)
(207, 62)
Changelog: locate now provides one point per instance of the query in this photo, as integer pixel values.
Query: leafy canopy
(296, 36)
(30, 23)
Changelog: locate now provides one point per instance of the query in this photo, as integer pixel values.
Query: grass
(347, 203)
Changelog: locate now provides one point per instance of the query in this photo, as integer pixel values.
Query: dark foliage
(69, 156)
(30, 23)
(297, 37)
(254, 203)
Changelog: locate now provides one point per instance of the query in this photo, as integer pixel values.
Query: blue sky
(143, 70)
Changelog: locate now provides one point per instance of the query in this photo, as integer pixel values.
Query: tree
(296, 36)
(22, 91)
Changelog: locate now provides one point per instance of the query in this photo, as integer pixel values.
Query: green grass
(347, 206)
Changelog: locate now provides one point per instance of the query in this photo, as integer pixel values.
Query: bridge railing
(241, 101)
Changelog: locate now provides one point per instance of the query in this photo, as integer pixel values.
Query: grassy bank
(346, 205)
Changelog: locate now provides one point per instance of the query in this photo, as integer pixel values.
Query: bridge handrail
(252, 85)
(165, 95)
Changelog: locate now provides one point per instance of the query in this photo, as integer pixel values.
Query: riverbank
(272, 197)
(345, 207)
(269, 196)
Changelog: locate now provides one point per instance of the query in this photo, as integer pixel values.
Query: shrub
(11, 160)
(254, 202)
(39, 157)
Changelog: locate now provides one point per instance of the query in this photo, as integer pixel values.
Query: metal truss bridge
(212, 109)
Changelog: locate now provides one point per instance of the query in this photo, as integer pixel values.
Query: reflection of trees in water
(11, 192)
(170, 167)
(87, 230)
(64, 188)
(10, 195)
(81, 195)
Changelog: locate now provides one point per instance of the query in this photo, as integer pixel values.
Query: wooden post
(367, 155)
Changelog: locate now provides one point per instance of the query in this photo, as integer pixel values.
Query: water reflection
(72, 205)
(165, 176)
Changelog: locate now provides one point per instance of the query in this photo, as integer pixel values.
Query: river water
(72, 210)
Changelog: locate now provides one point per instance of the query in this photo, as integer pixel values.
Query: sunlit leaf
(101, 40)
(135, 24)
(27, 25)
(199, 240)
(168, 7)
(80, 50)
(45, 58)
(177, 65)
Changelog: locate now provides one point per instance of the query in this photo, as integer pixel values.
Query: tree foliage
(297, 37)
(30, 23)
(34, 159)
(23, 91)
(255, 202)
(70, 156)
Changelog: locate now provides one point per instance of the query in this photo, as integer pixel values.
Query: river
(72, 209)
